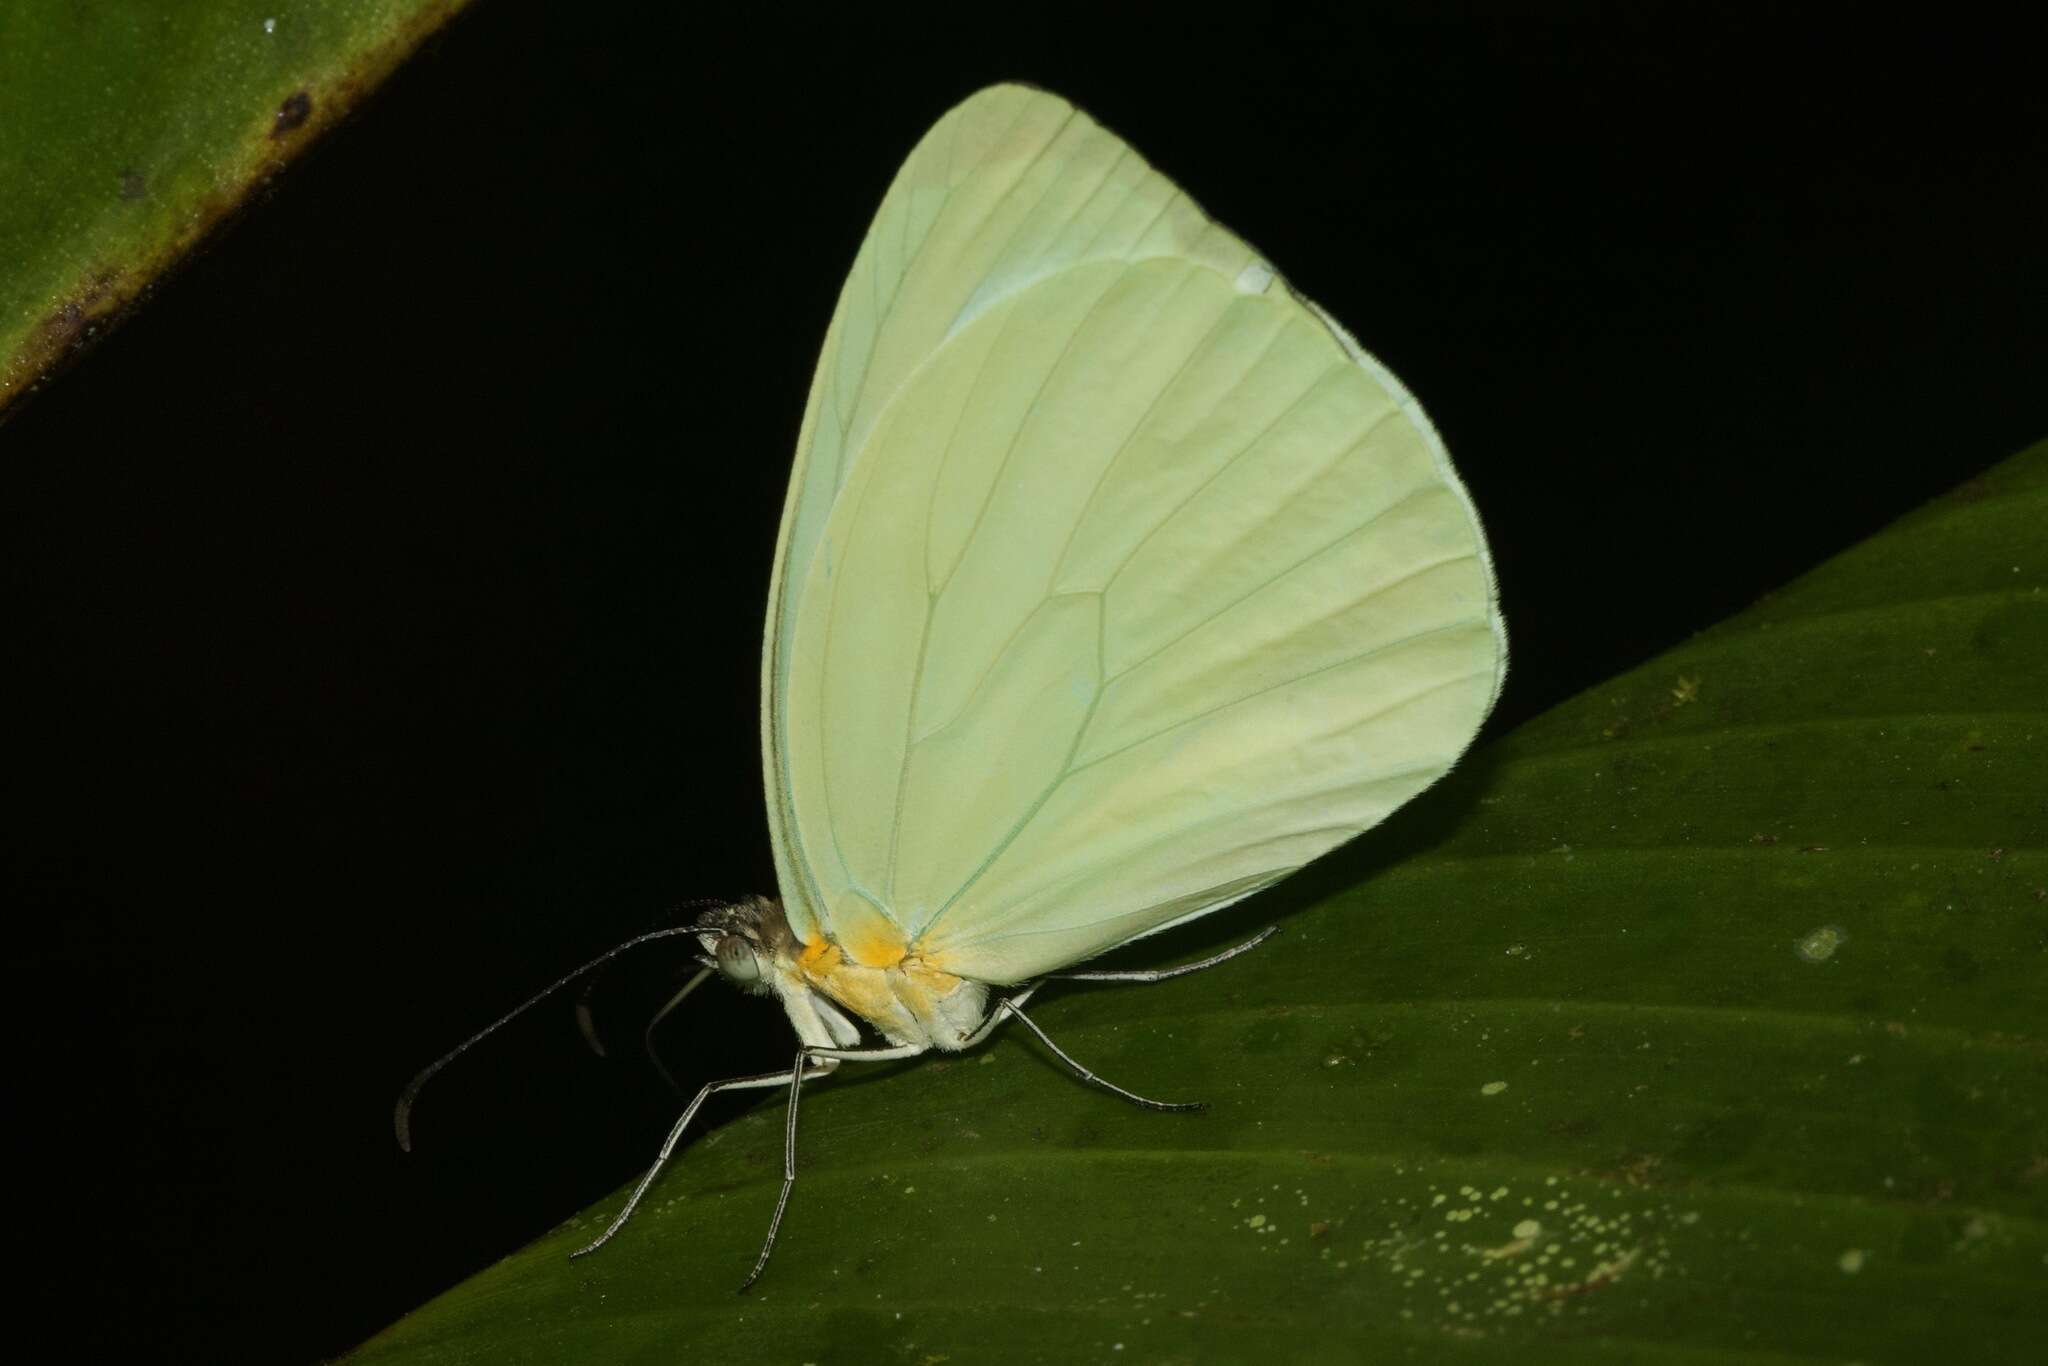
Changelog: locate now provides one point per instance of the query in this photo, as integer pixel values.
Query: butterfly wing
(1115, 581)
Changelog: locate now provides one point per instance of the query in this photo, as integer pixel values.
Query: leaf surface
(1703, 1019)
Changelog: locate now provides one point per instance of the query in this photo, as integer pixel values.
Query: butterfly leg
(996, 1017)
(1162, 974)
(675, 1136)
(1009, 1007)
(824, 1059)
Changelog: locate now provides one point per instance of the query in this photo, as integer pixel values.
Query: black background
(386, 593)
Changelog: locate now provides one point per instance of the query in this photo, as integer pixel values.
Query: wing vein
(966, 548)
(931, 589)
(1303, 677)
(1123, 154)
(1219, 471)
(885, 314)
(1124, 446)
(924, 639)
(1010, 451)
(1023, 217)
(1030, 814)
(1264, 584)
(981, 681)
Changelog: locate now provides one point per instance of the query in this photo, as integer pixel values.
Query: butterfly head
(742, 941)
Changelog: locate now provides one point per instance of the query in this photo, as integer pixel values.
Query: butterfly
(1115, 583)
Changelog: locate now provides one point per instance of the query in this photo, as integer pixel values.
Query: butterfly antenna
(401, 1117)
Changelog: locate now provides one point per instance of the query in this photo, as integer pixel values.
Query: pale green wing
(1116, 582)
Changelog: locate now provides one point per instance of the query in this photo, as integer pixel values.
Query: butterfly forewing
(1115, 582)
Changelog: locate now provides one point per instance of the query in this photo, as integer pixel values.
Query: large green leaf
(1705, 1018)
(130, 127)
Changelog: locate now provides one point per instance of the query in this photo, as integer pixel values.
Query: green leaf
(129, 129)
(1703, 1019)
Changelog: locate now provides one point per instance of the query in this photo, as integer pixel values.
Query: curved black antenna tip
(401, 1113)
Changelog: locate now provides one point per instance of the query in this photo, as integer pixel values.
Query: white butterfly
(1115, 584)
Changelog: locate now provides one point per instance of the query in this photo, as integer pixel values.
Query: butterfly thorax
(905, 999)
(888, 986)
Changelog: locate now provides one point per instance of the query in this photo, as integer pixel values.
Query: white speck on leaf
(1820, 945)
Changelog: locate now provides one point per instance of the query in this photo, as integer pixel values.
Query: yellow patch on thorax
(862, 990)
(877, 950)
(819, 956)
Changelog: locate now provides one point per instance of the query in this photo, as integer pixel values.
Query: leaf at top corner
(127, 131)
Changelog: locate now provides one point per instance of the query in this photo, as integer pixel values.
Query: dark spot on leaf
(1813, 849)
(2013, 636)
(1639, 1169)
(70, 325)
(133, 186)
(1459, 1142)
(1721, 1141)
(1763, 839)
(292, 114)
(1925, 1239)
(1961, 965)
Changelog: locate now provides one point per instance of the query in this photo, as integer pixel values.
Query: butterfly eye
(736, 960)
